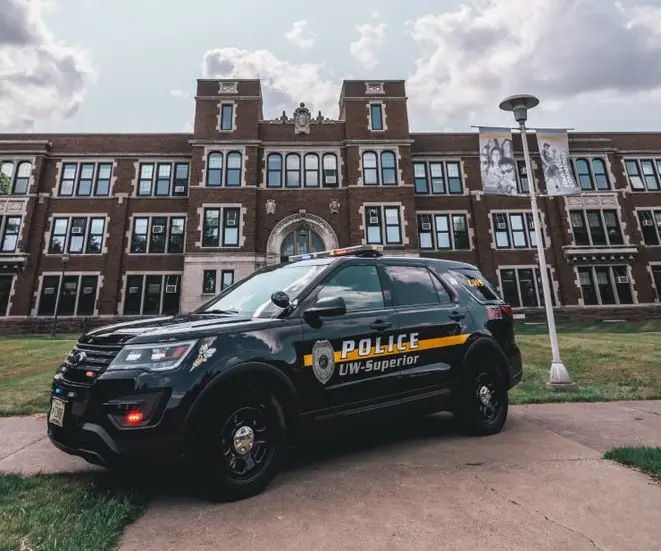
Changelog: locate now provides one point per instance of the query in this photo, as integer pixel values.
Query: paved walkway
(540, 484)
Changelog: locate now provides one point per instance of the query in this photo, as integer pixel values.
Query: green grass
(63, 512)
(647, 460)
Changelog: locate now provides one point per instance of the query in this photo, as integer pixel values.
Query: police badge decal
(323, 361)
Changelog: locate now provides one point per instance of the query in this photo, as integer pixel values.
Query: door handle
(380, 325)
(456, 315)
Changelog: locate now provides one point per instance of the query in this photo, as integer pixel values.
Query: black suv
(319, 337)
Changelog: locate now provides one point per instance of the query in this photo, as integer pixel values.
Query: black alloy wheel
(482, 401)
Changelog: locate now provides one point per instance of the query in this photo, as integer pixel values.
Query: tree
(5, 184)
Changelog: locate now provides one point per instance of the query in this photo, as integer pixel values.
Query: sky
(131, 65)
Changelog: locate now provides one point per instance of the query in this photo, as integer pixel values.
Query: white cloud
(40, 78)
(562, 51)
(300, 36)
(284, 84)
(370, 40)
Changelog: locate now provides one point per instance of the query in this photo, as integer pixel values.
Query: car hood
(169, 327)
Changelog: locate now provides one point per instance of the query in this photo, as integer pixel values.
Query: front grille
(96, 358)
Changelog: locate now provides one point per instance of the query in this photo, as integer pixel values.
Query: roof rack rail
(358, 250)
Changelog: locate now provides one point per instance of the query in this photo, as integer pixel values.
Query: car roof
(441, 262)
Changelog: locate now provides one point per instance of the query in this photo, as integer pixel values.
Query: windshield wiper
(217, 311)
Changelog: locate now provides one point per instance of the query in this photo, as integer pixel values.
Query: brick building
(152, 224)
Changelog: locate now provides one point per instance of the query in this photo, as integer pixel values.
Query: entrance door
(301, 241)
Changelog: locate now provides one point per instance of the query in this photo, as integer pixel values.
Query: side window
(358, 285)
(413, 285)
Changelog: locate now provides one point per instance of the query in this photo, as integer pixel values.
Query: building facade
(112, 226)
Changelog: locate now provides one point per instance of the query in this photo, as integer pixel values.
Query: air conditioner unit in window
(49, 291)
(133, 290)
(77, 230)
(231, 221)
(647, 223)
(179, 189)
(88, 290)
(158, 229)
(501, 226)
(330, 175)
(426, 226)
(170, 289)
(622, 279)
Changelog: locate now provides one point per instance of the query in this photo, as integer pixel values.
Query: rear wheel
(239, 451)
(482, 402)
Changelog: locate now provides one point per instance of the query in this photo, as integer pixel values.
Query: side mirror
(327, 307)
(280, 299)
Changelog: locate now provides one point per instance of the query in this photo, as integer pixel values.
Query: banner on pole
(554, 151)
(497, 165)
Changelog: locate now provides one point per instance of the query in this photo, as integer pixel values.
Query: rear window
(476, 283)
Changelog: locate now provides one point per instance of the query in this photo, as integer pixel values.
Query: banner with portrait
(497, 165)
(554, 153)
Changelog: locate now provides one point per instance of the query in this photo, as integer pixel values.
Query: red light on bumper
(134, 417)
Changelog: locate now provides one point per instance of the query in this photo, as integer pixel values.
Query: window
(215, 219)
(214, 169)
(376, 116)
(233, 174)
(77, 295)
(591, 174)
(209, 282)
(233, 168)
(643, 174)
(650, 224)
(514, 230)
(443, 231)
(226, 279)
(15, 177)
(605, 285)
(437, 178)
(307, 170)
(301, 241)
(226, 116)
(10, 227)
(152, 295)
(158, 235)
(293, 170)
(330, 170)
(156, 179)
(383, 225)
(85, 179)
(6, 282)
(523, 183)
(386, 175)
(414, 285)
(596, 228)
(656, 276)
(77, 235)
(522, 287)
(274, 170)
(311, 170)
(358, 285)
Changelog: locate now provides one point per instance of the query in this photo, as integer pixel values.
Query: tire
(478, 417)
(225, 470)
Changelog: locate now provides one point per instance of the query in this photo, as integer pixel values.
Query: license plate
(57, 412)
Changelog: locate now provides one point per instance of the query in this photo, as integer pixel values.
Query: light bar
(375, 250)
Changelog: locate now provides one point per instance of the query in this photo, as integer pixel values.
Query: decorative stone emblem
(302, 120)
(229, 87)
(334, 206)
(270, 206)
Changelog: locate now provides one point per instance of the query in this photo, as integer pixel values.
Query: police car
(319, 337)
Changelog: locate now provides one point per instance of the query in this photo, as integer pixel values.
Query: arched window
(214, 169)
(599, 170)
(274, 170)
(233, 174)
(301, 241)
(330, 170)
(311, 170)
(583, 174)
(370, 169)
(388, 169)
(293, 170)
(7, 170)
(22, 178)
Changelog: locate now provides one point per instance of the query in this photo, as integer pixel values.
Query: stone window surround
(639, 226)
(224, 149)
(634, 293)
(290, 223)
(19, 239)
(465, 191)
(589, 157)
(219, 280)
(155, 161)
(150, 215)
(555, 287)
(234, 105)
(471, 229)
(10, 300)
(40, 282)
(650, 266)
(403, 223)
(222, 206)
(16, 161)
(122, 292)
(384, 117)
(302, 151)
(604, 201)
(70, 215)
(638, 158)
(542, 221)
(55, 190)
(378, 149)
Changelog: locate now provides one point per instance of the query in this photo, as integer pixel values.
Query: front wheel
(482, 401)
(239, 453)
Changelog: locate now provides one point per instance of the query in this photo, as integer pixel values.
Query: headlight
(153, 357)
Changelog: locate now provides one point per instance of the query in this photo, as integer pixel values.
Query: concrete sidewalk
(540, 484)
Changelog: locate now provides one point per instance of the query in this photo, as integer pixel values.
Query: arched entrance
(302, 240)
(299, 234)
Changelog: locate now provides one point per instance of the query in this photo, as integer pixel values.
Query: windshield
(252, 297)
(476, 284)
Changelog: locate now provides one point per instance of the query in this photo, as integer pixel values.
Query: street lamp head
(519, 105)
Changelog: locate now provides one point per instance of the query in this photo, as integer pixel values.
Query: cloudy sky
(131, 65)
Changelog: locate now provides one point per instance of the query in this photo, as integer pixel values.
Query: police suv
(320, 337)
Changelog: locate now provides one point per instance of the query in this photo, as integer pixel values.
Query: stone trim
(595, 201)
(40, 282)
(16, 160)
(222, 206)
(632, 285)
(10, 302)
(155, 160)
(378, 149)
(122, 291)
(150, 215)
(289, 223)
(402, 218)
(283, 151)
(471, 229)
(220, 114)
(106, 232)
(555, 287)
(542, 222)
(649, 267)
(384, 117)
(224, 149)
(87, 160)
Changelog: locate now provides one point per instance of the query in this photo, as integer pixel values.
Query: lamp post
(559, 376)
(65, 259)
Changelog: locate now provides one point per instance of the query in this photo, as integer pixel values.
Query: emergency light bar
(358, 250)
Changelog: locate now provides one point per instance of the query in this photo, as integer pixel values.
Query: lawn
(647, 460)
(49, 512)
(608, 361)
